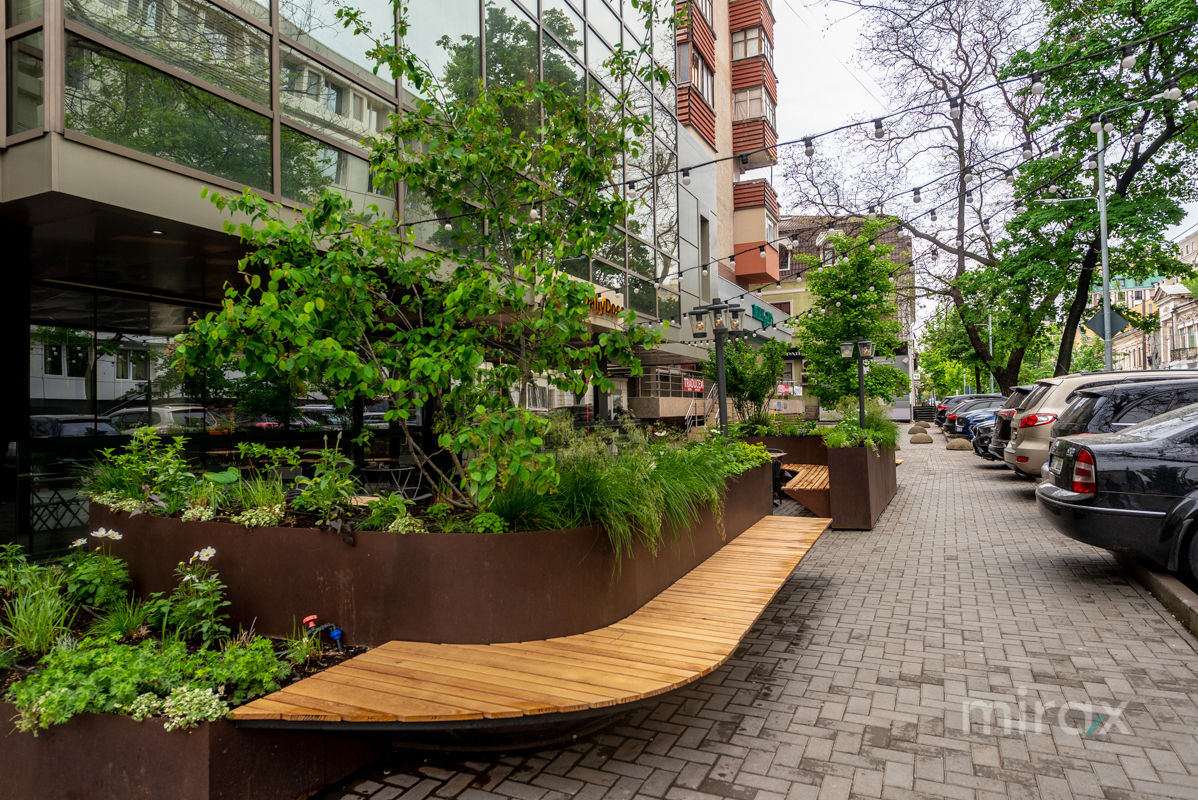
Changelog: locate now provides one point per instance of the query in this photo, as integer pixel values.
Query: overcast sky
(821, 85)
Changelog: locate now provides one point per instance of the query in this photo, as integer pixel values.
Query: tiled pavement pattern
(853, 681)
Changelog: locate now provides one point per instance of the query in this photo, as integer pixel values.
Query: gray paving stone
(858, 679)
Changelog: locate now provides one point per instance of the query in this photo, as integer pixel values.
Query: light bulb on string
(1129, 59)
(778, 284)
(879, 133)
(1009, 176)
(534, 215)
(968, 195)
(1137, 137)
(761, 251)
(1192, 104)
(871, 213)
(915, 195)
(1037, 87)
(1108, 126)
(967, 176)
(986, 224)
(1027, 149)
(1053, 189)
(686, 177)
(808, 147)
(1020, 206)
(1172, 93)
(732, 262)
(932, 216)
(954, 107)
(1091, 164)
(448, 226)
(704, 270)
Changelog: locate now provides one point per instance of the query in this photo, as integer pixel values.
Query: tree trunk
(1077, 306)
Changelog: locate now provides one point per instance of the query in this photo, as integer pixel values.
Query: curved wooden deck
(678, 637)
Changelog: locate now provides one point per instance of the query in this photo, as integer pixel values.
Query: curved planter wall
(432, 587)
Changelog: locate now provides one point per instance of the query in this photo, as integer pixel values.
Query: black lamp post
(723, 319)
(865, 349)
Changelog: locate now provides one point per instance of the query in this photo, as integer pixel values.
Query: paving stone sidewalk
(871, 674)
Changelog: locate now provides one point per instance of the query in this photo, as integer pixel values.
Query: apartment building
(117, 114)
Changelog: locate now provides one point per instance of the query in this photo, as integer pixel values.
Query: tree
(854, 299)
(1153, 146)
(351, 304)
(751, 376)
(929, 54)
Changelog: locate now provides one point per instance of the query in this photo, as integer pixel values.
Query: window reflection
(314, 24)
(26, 87)
(310, 166)
(444, 34)
(318, 97)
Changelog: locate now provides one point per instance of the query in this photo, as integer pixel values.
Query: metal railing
(1183, 353)
(668, 383)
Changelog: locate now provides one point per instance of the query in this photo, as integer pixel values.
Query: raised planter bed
(432, 587)
(799, 449)
(104, 757)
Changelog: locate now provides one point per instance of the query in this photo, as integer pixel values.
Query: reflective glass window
(560, 68)
(641, 296)
(310, 166)
(192, 35)
(26, 87)
(666, 206)
(578, 267)
(318, 97)
(445, 34)
(668, 306)
(597, 55)
(23, 10)
(113, 98)
(564, 23)
(605, 21)
(640, 257)
(608, 276)
(315, 26)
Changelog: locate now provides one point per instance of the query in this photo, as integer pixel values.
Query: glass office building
(117, 113)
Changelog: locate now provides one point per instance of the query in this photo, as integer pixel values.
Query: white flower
(100, 533)
(79, 543)
(116, 537)
(206, 554)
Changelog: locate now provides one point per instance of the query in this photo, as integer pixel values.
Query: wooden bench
(676, 638)
(810, 487)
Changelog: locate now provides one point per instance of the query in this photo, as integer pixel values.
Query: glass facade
(26, 88)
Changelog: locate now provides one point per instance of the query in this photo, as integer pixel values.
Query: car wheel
(1187, 564)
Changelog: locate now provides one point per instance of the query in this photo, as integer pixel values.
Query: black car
(1134, 491)
(1110, 408)
(948, 403)
(1016, 402)
(981, 440)
(954, 421)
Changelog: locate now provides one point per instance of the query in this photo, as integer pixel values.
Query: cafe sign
(692, 384)
(761, 315)
(602, 307)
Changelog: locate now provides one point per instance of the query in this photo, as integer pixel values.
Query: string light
(1027, 149)
(1037, 87)
(954, 107)
(915, 198)
(534, 215)
(1009, 176)
(878, 132)
(686, 177)
(761, 251)
(809, 147)
(967, 177)
(1129, 58)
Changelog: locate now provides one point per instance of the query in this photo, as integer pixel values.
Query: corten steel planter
(108, 757)
(459, 588)
(799, 449)
(862, 483)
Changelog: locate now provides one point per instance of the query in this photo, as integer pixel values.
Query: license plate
(1055, 465)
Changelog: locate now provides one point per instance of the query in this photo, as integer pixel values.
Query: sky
(821, 84)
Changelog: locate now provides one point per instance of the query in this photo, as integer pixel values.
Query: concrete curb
(1179, 599)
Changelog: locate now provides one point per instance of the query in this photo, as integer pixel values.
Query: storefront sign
(761, 315)
(793, 355)
(603, 307)
(692, 384)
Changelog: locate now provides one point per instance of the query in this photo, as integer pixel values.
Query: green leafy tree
(751, 376)
(344, 302)
(1054, 249)
(854, 299)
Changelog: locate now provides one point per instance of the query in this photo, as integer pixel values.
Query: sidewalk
(884, 647)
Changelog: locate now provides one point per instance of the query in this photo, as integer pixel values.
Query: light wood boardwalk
(679, 636)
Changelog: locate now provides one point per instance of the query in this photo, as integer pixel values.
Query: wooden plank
(682, 634)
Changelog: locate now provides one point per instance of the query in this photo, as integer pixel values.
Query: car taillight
(1083, 472)
(1034, 420)
(1005, 412)
(951, 416)
(941, 408)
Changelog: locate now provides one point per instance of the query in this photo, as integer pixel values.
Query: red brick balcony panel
(755, 71)
(750, 14)
(694, 111)
(755, 194)
(752, 267)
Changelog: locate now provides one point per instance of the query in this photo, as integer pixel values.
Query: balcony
(756, 141)
(1183, 353)
(666, 392)
(750, 14)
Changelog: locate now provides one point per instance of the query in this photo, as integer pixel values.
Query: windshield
(1080, 410)
(1016, 398)
(1174, 422)
(188, 418)
(1036, 395)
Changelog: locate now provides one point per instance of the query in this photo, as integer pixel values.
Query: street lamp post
(865, 350)
(724, 319)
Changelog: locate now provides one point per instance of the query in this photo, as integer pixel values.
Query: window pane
(563, 22)
(315, 25)
(445, 33)
(319, 98)
(23, 10)
(641, 297)
(608, 276)
(605, 22)
(25, 84)
(668, 306)
(189, 34)
(309, 166)
(563, 70)
(597, 54)
(640, 257)
(121, 101)
(666, 207)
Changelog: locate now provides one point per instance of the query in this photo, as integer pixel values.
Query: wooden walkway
(681, 635)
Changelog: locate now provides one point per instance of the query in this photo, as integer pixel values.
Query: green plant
(487, 522)
(524, 509)
(383, 512)
(38, 615)
(193, 611)
(149, 471)
(14, 568)
(125, 619)
(300, 648)
(440, 517)
(330, 490)
(104, 676)
(751, 376)
(93, 578)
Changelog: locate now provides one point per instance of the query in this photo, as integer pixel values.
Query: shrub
(93, 578)
(330, 489)
(148, 471)
(383, 512)
(487, 522)
(193, 611)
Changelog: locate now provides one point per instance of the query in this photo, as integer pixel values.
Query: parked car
(969, 422)
(982, 433)
(942, 408)
(1027, 450)
(1111, 408)
(164, 419)
(954, 421)
(1133, 491)
(1002, 419)
(47, 426)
